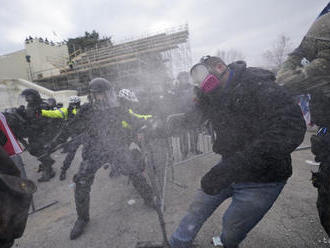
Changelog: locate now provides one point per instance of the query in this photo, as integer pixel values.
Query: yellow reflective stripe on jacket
(124, 124)
(146, 117)
(61, 113)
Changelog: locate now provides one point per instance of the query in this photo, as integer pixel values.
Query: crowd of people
(254, 115)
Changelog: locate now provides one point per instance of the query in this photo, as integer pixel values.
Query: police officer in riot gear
(66, 114)
(39, 132)
(51, 103)
(104, 141)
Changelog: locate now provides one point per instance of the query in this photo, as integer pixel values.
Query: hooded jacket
(257, 126)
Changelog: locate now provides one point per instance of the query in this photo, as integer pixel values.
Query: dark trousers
(86, 174)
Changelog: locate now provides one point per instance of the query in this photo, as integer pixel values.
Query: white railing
(10, 89)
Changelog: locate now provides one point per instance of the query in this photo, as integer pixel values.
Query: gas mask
(206, 79)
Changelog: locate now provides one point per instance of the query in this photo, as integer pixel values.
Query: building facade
(38, 59)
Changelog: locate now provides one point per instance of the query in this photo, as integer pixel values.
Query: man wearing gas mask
(104, 142)
(257, 126)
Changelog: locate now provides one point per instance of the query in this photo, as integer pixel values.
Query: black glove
(216, 179)
(21, 111)
(230, 170)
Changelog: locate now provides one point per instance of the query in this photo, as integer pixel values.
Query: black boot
(81, 196)
(144, 189)
(39, 168)
(78, 228)
(62, 175)
(114, 171)
(47, 173)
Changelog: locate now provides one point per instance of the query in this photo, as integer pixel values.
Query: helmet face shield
(28, 100)
(29, 97)
(21, 100)
(102, 94)
(104, 100)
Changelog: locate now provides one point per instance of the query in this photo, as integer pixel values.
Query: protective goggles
(201, 76)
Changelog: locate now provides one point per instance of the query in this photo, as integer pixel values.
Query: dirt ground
(292, 221)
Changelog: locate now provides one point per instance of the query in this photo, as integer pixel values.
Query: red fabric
(11, 147)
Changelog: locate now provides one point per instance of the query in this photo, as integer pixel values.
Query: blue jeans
(250, 202)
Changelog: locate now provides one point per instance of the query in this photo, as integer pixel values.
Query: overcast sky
(250, 26)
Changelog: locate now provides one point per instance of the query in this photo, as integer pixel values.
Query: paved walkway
(292, 222)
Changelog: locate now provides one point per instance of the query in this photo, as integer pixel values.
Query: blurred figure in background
(307, 71)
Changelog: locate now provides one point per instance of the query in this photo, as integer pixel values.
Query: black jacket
(102, 132)
(257, 126)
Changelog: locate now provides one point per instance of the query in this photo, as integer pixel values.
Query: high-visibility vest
(145, 117)
(61, 113)
(11, 145)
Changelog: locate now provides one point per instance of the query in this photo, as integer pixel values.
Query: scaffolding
(145, 62)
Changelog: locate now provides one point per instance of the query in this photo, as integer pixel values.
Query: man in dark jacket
(257, 126)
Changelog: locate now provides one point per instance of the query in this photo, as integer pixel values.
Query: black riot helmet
(31, 96)
(99, 85)
(51, 102)
(102, 94)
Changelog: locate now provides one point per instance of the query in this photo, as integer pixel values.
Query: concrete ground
(292, 221)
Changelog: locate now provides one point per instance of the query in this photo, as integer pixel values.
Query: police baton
(51, 149)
